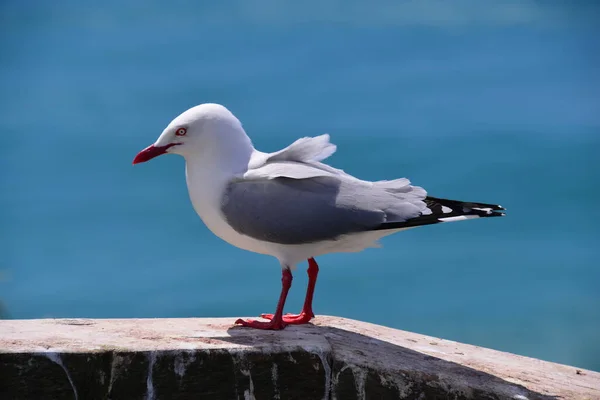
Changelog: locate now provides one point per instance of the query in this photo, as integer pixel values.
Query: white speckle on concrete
(55, 358)
(149, 383)
(323, 357)
(334, 382)
(182, 360)
(292, 359)
(248, 393)
(384, 380)
(235, 357)
(116, 361)
(274, 376)
(336, 379)
(520, 397)
(241, 365)
(399, 381)
(360, 379)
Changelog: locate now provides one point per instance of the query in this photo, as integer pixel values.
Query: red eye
(181, 132)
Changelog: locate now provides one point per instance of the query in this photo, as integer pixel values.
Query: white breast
(206, 189)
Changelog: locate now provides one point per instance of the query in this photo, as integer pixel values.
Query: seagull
(289, 204)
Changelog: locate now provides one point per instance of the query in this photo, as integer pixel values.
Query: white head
(208, 131)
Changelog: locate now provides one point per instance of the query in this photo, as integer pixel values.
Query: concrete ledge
(335, 358)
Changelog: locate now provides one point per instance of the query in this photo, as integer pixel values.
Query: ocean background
(475, 100)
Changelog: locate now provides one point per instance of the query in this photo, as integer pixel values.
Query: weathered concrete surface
(211, 359)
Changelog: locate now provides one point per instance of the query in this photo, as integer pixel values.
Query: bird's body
(208, 191)
(289, 204)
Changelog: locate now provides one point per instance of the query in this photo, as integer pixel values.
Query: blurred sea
(485, 101)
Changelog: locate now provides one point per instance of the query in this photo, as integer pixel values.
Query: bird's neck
(209, 172)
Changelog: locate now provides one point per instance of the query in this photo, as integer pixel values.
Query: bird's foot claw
(271, 325)
(293, 319)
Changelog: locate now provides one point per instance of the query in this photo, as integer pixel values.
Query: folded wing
(296, 211)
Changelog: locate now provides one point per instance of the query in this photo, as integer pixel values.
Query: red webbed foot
(272, 325)
(292, 319)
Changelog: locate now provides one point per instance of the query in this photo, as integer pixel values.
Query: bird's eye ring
(181, 132)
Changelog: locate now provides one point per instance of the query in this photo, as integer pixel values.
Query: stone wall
(335, 358)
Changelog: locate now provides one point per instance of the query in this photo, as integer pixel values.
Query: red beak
(150, 152)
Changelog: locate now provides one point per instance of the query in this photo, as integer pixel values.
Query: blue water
(494, 104)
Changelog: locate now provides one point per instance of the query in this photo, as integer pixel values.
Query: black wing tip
(473, 214)
(458, 209)
(470, 204)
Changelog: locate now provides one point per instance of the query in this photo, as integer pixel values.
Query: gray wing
(295, 211)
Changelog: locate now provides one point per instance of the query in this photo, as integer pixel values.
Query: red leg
(307, 312)
(277, 322)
